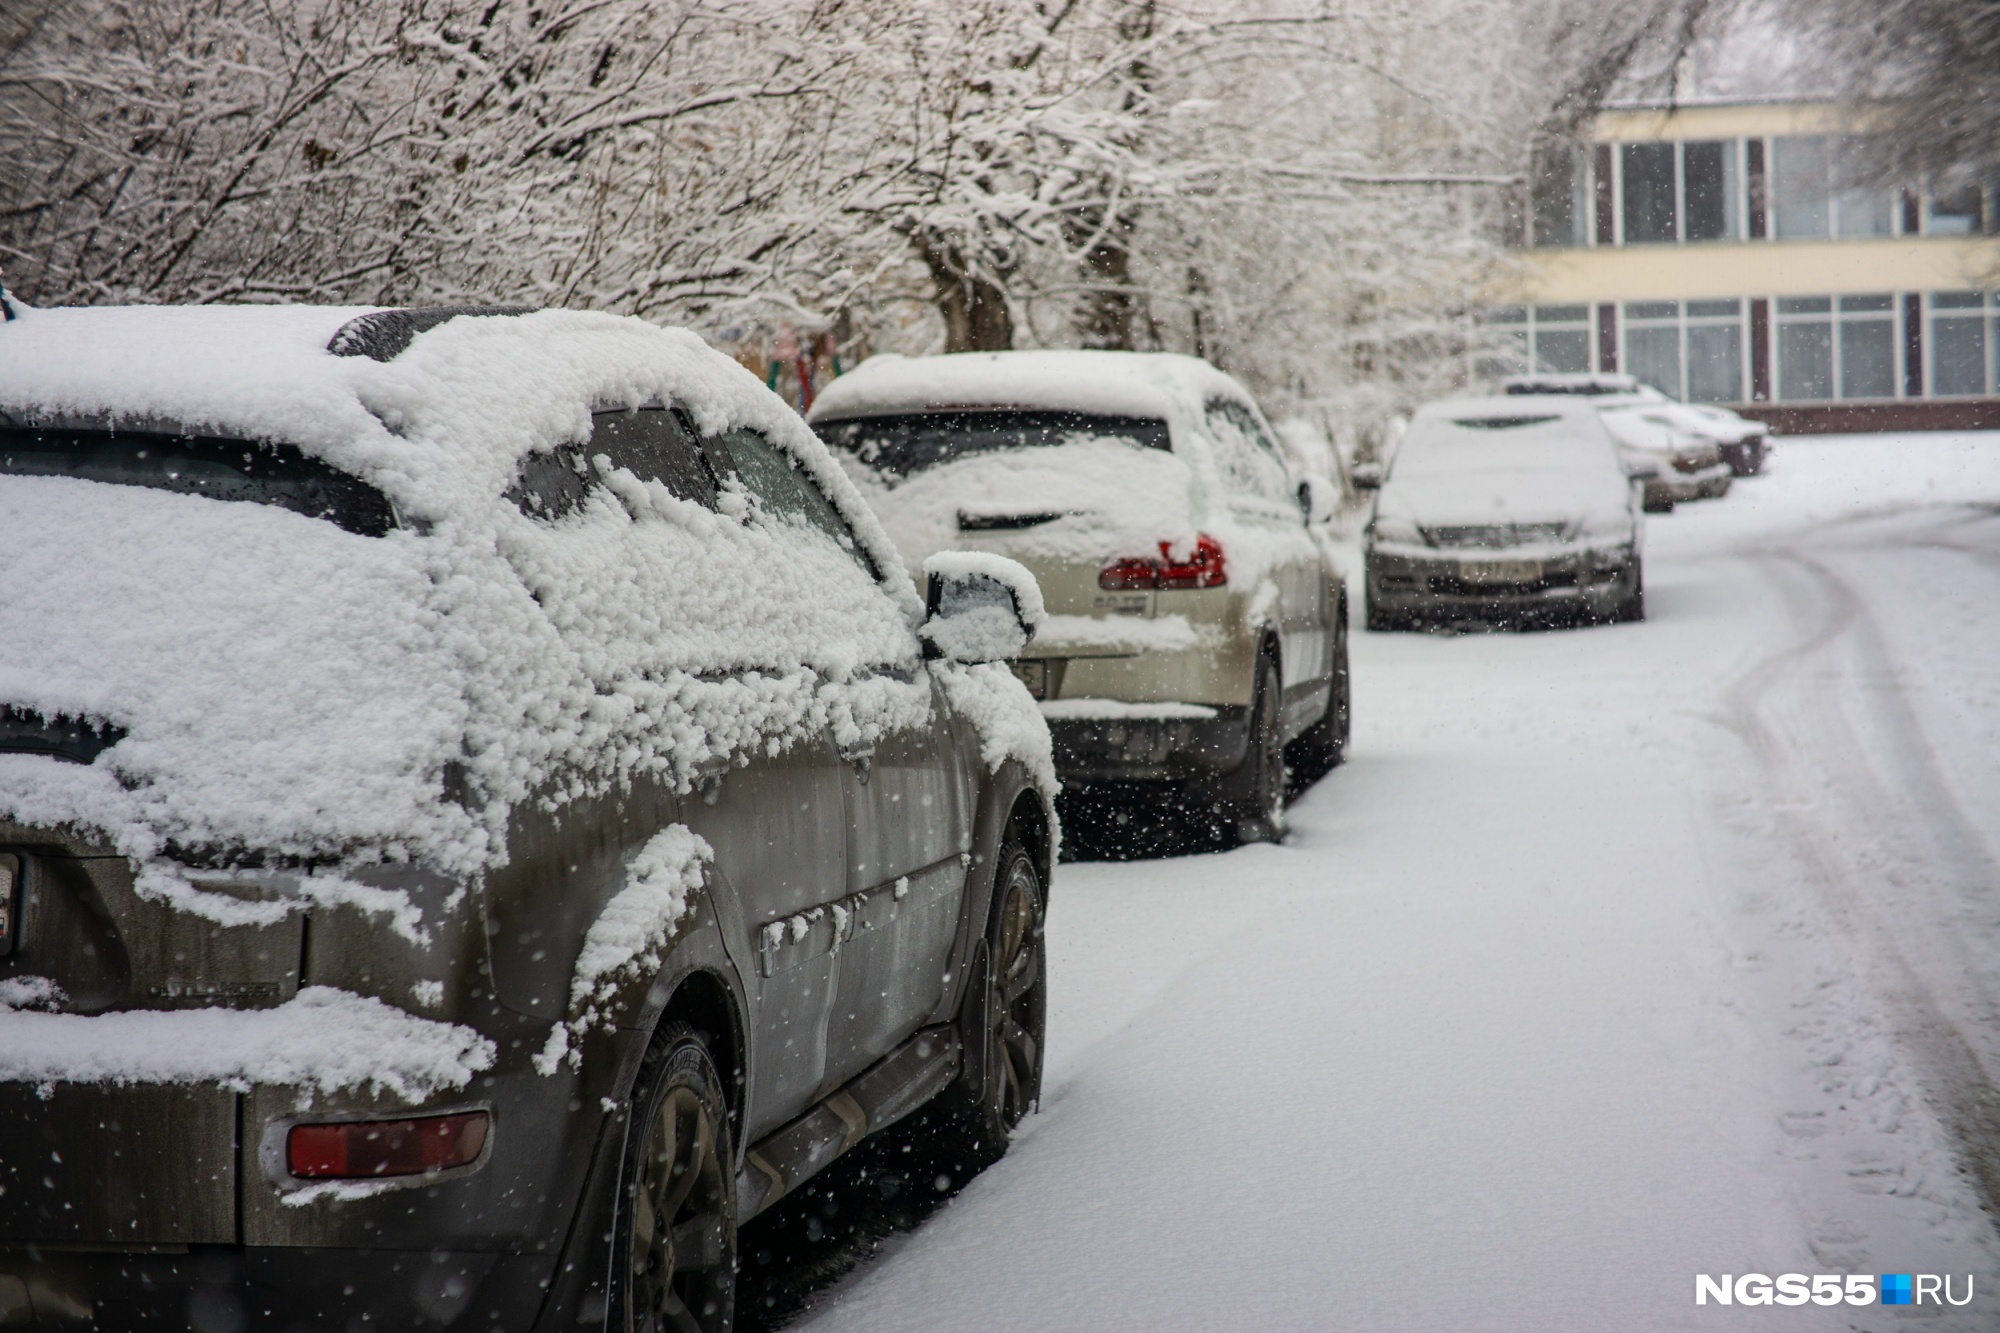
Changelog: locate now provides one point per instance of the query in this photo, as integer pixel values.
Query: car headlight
(1395, 530)
(1605, 529)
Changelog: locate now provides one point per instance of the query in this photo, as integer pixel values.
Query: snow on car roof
(288, 687)
(1133, 384)
(1584, 384)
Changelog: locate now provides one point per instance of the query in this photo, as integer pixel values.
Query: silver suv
(483, 812)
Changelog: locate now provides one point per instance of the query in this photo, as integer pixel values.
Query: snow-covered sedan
(1515, 509)
(1741, 442)
(483, 811)
(1196, 638)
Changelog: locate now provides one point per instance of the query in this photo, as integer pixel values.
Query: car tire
(1633, 607)
(1323, 745)
(1381, 621)
(1003, 1020)
(674, 1250)
(1257, 796)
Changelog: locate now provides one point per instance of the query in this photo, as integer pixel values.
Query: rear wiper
(75, 739)
(971, 522)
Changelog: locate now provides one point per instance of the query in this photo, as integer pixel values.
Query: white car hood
(1506, 496)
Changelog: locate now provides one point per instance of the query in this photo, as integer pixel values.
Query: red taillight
(1202, 568)
(363, 1149)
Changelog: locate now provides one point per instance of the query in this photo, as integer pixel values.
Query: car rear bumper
(1118, 749)
(1425, 588)
(1703, 484)
(256, 1287)
(1745, 457)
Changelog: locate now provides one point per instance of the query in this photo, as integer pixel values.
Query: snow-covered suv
(1197, 637)
(483, 811)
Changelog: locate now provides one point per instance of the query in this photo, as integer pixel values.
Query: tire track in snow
(1955, 1077)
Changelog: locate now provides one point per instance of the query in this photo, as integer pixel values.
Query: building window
(1829, 349)
(1559, 196)
(1860, 209)
(1867, 346)
(1962, 343)
(1805, 348)
(1715, 352)
(1561, 335)
(1956, 212)
(1692, 351)
(1799, 195)
(1650, 212)
(1653, 344)
(1545, 339)
(1708, 187)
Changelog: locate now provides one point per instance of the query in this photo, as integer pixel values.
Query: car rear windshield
(272, 474)
(900, 445)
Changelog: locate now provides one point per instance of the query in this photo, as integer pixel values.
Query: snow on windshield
(286, 688)
(1439, 444)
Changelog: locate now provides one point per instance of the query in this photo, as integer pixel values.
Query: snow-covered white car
(1741, 441)
(1686, 465)
(1196, 637)
(1505, 509)
(483, 811)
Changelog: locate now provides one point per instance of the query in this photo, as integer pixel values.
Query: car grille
(1494, 535)
(1452, 586)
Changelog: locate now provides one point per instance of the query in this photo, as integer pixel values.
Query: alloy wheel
(680, 1254)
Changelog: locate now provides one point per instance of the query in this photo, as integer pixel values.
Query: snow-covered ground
(1611, 957)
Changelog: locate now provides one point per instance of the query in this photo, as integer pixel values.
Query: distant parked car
(483, 812)
(1506, 509)
(1741, 441)
(1196, 638)
(1689, 466)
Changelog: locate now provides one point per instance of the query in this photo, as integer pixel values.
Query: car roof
(1582, 385)
(1503, 408)
(1103, 383)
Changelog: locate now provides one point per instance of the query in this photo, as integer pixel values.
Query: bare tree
(1932, 69)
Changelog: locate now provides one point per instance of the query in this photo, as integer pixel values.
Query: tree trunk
(1106, 316)
(976, 318)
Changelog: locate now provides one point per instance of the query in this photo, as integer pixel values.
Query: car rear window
(898, 446)
(244, 470)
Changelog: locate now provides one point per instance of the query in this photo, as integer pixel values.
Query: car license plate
(1033, 674)
(1500, 571)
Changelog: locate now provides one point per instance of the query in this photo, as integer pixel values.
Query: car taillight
(1203, 567)
(365, 1149)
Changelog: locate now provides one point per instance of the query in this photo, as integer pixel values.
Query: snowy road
(1612, 957)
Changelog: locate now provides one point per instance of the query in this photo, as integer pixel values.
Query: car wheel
(675, 1251)
(1324, 744)
(1633, 607)
(1003, 1021)
(1259, 804)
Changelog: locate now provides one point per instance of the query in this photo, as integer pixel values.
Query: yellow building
(1715, 250)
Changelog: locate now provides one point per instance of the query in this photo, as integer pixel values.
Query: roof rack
(384, 335)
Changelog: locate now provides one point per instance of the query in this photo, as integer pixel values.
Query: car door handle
(861, 755)
(708, 775)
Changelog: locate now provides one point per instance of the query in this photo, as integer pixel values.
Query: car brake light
(1202, 568)
(364, 1149)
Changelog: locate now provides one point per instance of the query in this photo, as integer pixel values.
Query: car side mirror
(978, 607)
(1366, 476)
(1639, 468)
(1318, 498)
